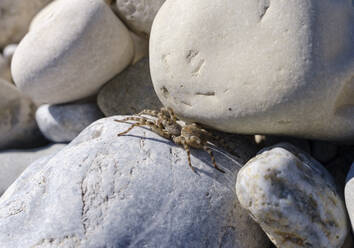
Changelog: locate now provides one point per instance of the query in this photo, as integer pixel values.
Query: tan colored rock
(5, 72)
(18, 127)
(258, 67)
(68, 64)
(15, 17)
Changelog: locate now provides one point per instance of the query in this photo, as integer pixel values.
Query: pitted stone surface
(268, 67)
(293, 198)
(130, 191)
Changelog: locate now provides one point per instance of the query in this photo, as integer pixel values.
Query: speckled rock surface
(18, 127)
(130, 191)
(68, 64)
(137, 14)
(265, 67)
(15, 18)
(62, 123)
(293, 198)
(349, 194)
(14, 162)
(129, 92)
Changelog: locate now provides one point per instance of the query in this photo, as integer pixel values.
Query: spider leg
(139, 123)
(208, 150)
(150, 112)
(130, 128)
(172, 114)
(130, 118)
(144, 122)
(181, 141)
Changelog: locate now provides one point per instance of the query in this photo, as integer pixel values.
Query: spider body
(166, 125)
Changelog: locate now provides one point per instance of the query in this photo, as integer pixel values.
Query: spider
(167, 126)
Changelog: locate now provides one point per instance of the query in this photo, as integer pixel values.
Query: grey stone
(135, 190)
(129, 92)
(293, 198)
(62, 123)
(14, 162)
(18, 127)
(137, 14)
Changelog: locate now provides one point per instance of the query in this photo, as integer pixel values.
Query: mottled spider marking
(166, 125)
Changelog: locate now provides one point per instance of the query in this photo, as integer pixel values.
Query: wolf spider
(167, 126)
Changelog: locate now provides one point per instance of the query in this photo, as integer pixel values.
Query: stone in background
(18, 128)
(62, 123)
(129, 92)
(138, 15)
(15, 18)
(5, 72)
(14, 162)
(56, 64)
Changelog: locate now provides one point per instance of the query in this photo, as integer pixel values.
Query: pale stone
(14, 162)
(74, 47)
(9, 51)
(258, 67)
(349, 194)
(15, 17)
(18, 127)
(62, 123)
(137, 14)
(130, 92)
(293, 198)
(135, 190)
